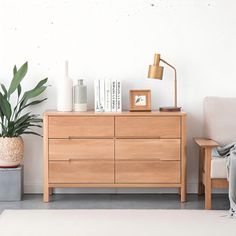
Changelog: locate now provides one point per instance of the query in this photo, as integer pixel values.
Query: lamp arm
(175, 81)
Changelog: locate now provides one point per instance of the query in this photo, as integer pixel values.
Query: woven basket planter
(11, 152)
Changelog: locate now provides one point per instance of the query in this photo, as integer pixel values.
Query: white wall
(117, 39)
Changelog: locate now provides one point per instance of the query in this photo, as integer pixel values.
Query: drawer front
(81, 149)
(82, 172)
(143, 172)
(73, 127)
(152, 127)
(147, 149)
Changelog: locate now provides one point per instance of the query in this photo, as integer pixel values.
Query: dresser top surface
(123, 113)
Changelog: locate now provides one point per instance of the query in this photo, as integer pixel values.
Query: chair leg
(200, 184)
(207, 178)
(201, 188)
(208, 197)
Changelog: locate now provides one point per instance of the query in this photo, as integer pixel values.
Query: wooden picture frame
(140, 100)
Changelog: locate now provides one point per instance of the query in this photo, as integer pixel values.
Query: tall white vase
(64, 92)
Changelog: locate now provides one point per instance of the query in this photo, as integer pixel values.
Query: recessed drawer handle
(89, 137)
(135, 137)
(72, 159)
(73, 137)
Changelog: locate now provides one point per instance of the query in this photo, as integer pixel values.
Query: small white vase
(64, 92)
(11, 152)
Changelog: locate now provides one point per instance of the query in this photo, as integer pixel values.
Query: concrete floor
(116, 201)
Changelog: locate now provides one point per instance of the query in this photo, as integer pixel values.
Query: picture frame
(140, 100)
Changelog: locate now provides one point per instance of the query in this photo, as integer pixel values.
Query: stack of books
(107, 94)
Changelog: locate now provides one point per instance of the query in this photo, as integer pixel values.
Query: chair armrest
(203, 142)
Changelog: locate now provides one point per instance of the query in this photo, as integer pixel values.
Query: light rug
(116, 222)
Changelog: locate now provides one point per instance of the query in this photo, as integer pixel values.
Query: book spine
(113, 96)
(96, 96)
(102, 95)
(119, 96)
(108, 95)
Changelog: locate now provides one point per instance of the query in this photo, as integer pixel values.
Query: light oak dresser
(127, 149)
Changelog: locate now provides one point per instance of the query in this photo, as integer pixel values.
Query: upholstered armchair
(219, 129)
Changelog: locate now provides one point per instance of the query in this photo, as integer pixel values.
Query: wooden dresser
(128, 149)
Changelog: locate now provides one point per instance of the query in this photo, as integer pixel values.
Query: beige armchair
(220, 129)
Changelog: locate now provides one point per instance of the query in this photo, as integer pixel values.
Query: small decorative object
(14, 122)
(107, 96)
(80, 96)
(118, 96)
(64, 92)
(156, 72)
(96, 96)
(140, 100)
(113, 95)
(99, 95)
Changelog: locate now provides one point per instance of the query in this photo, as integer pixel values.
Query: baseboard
(38, 189)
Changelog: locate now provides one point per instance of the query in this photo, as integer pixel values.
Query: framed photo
(140, 100)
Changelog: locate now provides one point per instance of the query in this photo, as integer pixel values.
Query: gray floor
(116, 201)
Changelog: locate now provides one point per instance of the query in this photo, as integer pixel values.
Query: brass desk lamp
(156, 72)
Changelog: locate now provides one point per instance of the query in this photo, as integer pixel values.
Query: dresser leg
(50, 191)
(183, 194)
(179, 191)
(46, 194)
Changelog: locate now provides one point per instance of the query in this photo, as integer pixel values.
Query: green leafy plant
(13, 120)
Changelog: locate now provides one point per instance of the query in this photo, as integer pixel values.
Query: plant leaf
(23, 118)
(39, 120)
(4, 131)
(4, 89)
(18, 76)
(5, 107)
(30, 104)
(11, 125)
(19, 91)
(1, 112)
(35, 102)
(41, 83)
(31, 94)
(14, 70)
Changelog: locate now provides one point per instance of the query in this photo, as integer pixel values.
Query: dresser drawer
(143, 172)
(151, 127)
(83, 172)
(75, 126)
(147, 149)
(81, 149)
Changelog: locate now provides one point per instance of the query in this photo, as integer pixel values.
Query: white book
(108, 95)
(96, 96)
(119, 96)
(102, 95)
(113, 96)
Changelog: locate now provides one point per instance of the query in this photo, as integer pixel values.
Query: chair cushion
(220, 117)
(218, 168)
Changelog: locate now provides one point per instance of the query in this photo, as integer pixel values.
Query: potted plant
(14, 122)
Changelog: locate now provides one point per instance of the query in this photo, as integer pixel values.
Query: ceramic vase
(64, 92)
(80, 96)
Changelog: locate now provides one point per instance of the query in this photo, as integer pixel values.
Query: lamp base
(170, 109)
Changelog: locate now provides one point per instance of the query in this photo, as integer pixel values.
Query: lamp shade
(156, 71)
